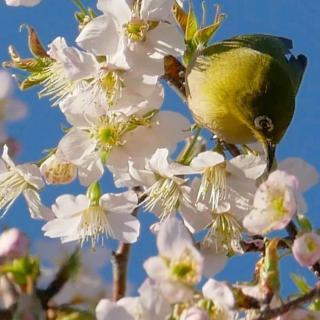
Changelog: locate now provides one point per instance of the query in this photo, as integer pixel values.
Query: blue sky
(295, 19)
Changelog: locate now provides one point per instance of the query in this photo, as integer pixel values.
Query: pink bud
(306, 249)
(13, 244)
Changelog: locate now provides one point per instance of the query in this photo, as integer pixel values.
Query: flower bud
(57, 171)
(13, 244)
(306, 249)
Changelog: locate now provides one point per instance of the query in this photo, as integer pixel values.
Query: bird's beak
(270, 150)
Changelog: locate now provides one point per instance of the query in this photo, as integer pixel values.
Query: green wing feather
(276, 47)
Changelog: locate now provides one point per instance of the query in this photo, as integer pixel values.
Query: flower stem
(185, 158)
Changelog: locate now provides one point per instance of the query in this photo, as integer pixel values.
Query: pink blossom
(13, 244)
(306, 249)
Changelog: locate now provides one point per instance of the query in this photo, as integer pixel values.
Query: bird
(243, 89)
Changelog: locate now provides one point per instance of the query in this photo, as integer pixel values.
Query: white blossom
(163, 181)
(68, 67)
(130, 36)
(79, 218)
(21, 179)
(275, 203)
(178, 268)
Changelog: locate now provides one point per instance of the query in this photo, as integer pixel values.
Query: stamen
(94, 223)
(224, 232)
(167, 193)
(216, 179)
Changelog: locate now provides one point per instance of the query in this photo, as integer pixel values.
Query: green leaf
(300, 283)
(22, 269)
(192, 25)
(304, 223)
(204, 35)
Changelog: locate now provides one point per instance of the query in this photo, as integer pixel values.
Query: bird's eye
(263, 123)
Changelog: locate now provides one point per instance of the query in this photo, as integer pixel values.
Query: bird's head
(271, 110)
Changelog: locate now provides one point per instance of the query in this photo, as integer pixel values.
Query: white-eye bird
(243, 89)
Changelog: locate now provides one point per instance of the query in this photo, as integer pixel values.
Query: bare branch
(293, 304)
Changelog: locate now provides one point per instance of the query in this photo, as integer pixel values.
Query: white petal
(219, 292)
(58, 228)
(124, 202)
(156, 269)
(252, 167)
(79, 64)
(68, 205)
(6, 157)
(167, 130)
(159, 162)
(76, 145)
(214, 261)
(154, 304)
(56, 48)
(155, 10)
(172, 238)
(101, 36)
(125, 227)
(107, 310)
(36, 208)
(170, 44)
(206, 160)
(307, 175)
(31, 174)
(175, 292)
(118, 8)
(196, 218)
(90, 170)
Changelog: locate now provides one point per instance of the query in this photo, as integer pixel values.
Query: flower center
(224, 232)
(94, 222)
(185, 269)
(60, 173)
(109, 132)
(136, 30)
(216, 179)
(167, 192)
(112, 85)
(55, 82)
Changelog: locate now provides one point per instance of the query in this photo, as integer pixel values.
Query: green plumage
(233, 84)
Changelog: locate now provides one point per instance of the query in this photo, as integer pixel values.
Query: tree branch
(293, 304)
(119, 261)
(120, 258)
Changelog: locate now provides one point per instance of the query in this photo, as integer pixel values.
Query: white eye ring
(263, 123)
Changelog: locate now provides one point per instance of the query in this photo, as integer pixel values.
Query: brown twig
(256, 244)
(120, 260)
(293, 304)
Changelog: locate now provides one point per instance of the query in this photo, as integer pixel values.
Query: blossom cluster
(108, 87)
